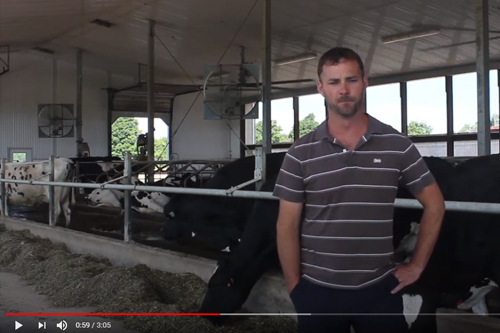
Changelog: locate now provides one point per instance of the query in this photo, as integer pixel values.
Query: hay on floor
(72, 280)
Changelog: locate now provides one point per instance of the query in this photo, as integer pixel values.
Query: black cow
(450, 274)
(217, 221)
(97, 169)
(93, 169)
(233, 280)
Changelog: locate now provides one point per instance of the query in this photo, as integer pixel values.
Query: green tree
(419, 128)
(306, 125)
(124, 132)
(473, 127)
(161, 150)
(276, 135)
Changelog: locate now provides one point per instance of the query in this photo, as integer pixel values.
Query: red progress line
(112, 314)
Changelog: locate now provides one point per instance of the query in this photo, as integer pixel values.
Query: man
(345, 176)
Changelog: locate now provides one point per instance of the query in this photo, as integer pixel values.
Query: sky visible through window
(426, 103)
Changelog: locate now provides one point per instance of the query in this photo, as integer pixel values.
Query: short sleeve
(290, 182)
(414, 172)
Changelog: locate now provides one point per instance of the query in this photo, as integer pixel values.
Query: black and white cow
(140, 201)
(446, 282)
(33, 195)
(93, 169)
(96, 169)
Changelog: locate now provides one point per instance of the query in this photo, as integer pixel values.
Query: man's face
(343, 87)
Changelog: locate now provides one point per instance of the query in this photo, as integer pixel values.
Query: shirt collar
(374, 127)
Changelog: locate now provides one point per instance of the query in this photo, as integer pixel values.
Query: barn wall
(33, 80)
(200, 138)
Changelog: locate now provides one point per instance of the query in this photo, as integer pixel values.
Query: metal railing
(204, 169)
(128, 187)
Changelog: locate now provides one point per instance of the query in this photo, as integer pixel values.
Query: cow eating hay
(71, 280)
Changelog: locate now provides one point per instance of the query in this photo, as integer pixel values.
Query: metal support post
(2, 188)
(266, 94)
(151, 100)
(296, 119)
(498, 84)
(450, 145)
(404, 107)
(79, 87)
(258, 168)
(126, 205)
(483, 78)
(52, 221)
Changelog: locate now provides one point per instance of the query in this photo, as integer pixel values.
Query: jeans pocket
(294, 290)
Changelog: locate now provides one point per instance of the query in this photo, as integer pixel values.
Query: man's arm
(420, 181)
(430, 224)
(288, 241)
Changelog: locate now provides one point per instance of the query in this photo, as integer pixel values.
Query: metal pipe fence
(127, 187)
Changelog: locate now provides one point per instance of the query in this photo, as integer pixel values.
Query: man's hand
(406, 275)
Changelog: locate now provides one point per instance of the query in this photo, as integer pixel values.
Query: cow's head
(172, 230)
(226, 293)
(104, 197)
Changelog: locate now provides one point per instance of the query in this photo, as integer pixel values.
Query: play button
(18, 325)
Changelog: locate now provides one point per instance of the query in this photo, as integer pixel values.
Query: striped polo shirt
(348, 196)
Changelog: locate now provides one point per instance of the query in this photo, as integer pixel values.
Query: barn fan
(55, 120)
(224, 86)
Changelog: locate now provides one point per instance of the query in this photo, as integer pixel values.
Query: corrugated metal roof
(198, 32)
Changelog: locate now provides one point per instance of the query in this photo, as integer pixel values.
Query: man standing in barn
(345, 175)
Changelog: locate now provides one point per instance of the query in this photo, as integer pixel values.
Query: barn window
(20, 154)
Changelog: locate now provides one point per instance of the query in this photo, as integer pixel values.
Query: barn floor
(16, 296)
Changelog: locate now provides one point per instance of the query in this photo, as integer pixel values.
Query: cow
(448, 278)
(33, 195)
(233, 279)
(93, 169)
(217, 222)
(140, 201)
(96, 169)
(474, 299)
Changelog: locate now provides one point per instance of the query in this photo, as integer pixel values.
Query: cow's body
(33, 195)
(467, 251)
(102, 169)
(94, 169)
(140, 201)
(147, 201)
(217, 221)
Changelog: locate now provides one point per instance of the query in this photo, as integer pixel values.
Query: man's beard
(346, 112)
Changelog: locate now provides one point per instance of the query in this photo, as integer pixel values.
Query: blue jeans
(346, 308)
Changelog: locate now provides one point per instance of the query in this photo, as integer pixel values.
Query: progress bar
(248, 314)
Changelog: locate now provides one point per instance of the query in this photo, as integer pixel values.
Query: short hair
(335, 55)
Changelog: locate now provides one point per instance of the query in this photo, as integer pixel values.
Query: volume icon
(63, 325)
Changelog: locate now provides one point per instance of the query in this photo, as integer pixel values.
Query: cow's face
(224, 295)
(104, 197)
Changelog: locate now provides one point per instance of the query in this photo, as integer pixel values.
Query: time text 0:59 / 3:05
(94, 324)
